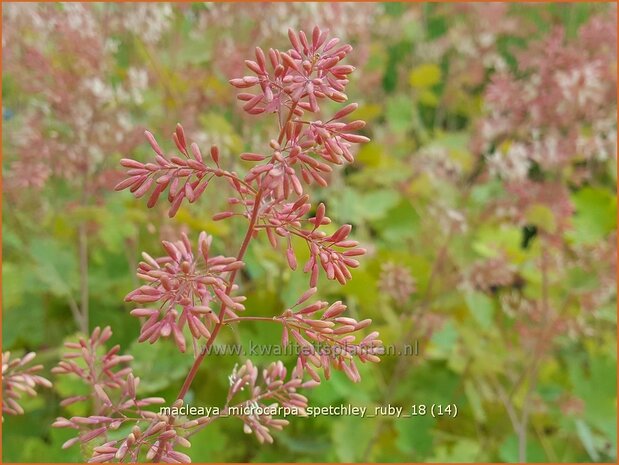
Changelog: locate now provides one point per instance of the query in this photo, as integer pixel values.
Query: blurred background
(486, 200)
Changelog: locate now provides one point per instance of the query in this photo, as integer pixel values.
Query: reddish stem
(250, 231)
(282, 131)
(196, 364)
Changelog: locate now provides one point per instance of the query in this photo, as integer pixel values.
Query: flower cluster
(18, 378)
(185, 178)
(490, 274)
(333, 252)
(472, 45)
(113, 395)
(291, 162)
(303, 75)
(188, 282)
(83, 361)
(296, 82)
(553, 119)
(79, 116)
(557, 111)
(292, 85)
(329, 341)
(527, 195)
(396, 282)
(254, 412)
(284, 220)
(303, 151)
(155, 442)
(271, 196)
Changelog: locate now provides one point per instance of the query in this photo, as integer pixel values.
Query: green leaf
(493, 242)
(444, 340)
(14, 279)
(598, 389)
(472, 394)
(158, 364)
(428, 98)
(300, 444)
(394, 58)
(542, 217)
(349, 435)
(415, 435)
(374, 205)
(363, 289)
(370, 154)
(399, 224)
(24, 323)
(425, 75)
(481, 307)
(368, 112)
(399, 114)
(56, 266)
(463, 451)
(588, 440)
(596, 215)
(509, 450)
(209, 444)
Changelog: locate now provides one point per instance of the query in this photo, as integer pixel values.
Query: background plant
(479, 222)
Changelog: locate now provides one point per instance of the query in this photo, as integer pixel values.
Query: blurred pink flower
(396, 282)
(553, 109)
(17, 379)
(116, 403)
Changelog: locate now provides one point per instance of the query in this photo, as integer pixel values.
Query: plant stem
(402, 366)
(522, 433)
(248, 236)
(249, 318)
(282, 131)
(196, 364)
(83, 257)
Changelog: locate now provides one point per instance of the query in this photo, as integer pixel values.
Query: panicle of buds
(270, 195)
(116, 403)
(308, 72)
(17, 379)
(103, 372)
(185, 176)
(303, 152)
(330, 340)
(184, 285)
(153, 436)
(291, 84)
(335, 253)
(274, 387)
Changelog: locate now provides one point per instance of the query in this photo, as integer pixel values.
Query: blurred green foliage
(473, 349)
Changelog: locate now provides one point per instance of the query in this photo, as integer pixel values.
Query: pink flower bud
(153, 143)
(215, 154)
(180, 134)
(252, 157)
(222, 215)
